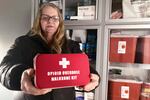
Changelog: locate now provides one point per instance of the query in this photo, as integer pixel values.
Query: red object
(144, 49)
(122, 48)
(122, 89)
(145, 98)
(61, 70)
(145, 95)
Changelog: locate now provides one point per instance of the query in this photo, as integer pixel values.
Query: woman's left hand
(94, 82)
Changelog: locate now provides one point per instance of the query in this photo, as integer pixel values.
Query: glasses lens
(44, 18)
(55, 18)
(48, 18)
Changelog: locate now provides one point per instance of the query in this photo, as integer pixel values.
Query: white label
(125, 92)
(88, 96)
(87, 12)
(122, 47)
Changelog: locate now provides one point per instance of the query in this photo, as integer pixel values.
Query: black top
(20, 57)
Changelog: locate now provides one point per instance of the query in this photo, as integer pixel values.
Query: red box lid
(61, 70)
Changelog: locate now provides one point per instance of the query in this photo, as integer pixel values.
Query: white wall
(15, 20)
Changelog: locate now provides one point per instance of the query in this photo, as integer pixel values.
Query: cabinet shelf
(128, 21)
(129, 65)
(82, 22)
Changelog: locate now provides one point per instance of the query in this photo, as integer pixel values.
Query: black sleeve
(12, 66)
(74, 46)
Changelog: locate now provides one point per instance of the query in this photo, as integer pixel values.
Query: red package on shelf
(145, 94)
(123, 48)
(143, 48)
(61, 70)
(124, 89)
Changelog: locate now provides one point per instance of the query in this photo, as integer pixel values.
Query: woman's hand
(116, 15)
(28, 87)
(93, 83)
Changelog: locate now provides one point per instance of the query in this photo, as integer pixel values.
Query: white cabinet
(126, 55)
(105, 27)
(83, 24)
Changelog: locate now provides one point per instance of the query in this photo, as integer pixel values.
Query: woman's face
(49, 22)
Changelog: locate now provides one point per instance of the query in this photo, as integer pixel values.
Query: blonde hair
(59, 36)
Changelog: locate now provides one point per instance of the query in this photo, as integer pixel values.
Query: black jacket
(20, 57)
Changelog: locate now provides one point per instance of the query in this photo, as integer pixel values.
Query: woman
(46, 36)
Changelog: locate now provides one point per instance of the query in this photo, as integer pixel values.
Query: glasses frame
(48, 18)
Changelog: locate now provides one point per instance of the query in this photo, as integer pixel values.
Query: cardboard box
(124, 89)
(123, 48)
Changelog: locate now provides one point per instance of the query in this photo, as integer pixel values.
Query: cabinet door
(87, 39)
(76, 9)
(129, 63)
(129, 10)
(80, 10)
(59, 3)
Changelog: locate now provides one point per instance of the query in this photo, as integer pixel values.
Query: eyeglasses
(47, 18)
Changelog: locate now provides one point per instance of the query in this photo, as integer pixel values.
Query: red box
(143, 49)
(61, 70)
(145, 98)
(123, 48)
(123, 89)
(145, 95)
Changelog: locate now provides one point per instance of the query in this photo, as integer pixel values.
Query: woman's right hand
(28, 87)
